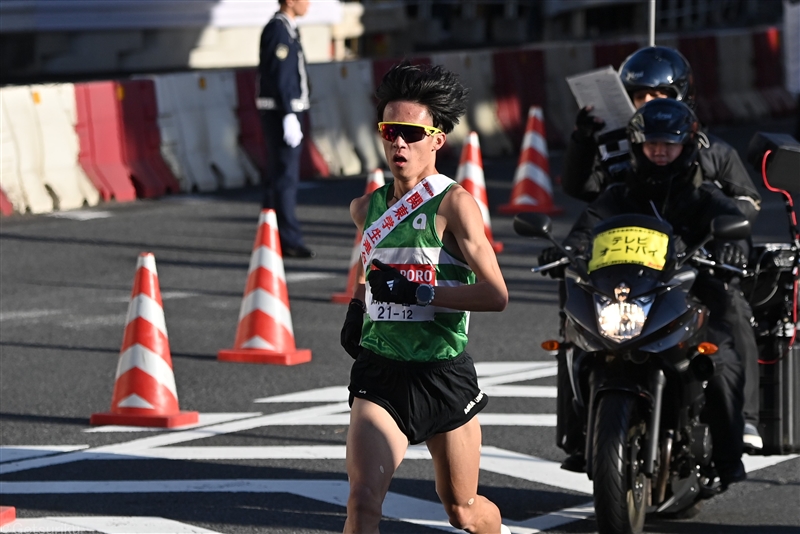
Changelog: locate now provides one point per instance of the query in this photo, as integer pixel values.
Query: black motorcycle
(637, 354)
(771, 288)
(634, 337)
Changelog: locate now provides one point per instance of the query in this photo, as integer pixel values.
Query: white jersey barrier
(24, 129)
(475, 70)
(343, 119)
(61, 171)
(200, 130)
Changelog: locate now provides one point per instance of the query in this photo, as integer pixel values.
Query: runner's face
(411, 160)
(300, 7)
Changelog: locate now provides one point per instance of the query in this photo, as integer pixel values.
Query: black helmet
(668, 120)
(658, 67)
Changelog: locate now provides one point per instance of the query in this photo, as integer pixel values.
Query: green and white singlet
(415, 333)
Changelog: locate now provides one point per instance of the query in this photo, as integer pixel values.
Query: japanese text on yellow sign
(629, 244)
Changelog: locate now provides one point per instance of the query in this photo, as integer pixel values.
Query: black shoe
(730, 473)
(298, 252)
(574, 462)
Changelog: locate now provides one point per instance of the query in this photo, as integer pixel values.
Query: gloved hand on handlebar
(549, 255)
(587, 124)
(731, 254)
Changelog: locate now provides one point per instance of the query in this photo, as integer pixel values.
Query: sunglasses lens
(411, 134)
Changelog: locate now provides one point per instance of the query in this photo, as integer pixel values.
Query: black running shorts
(423, 398)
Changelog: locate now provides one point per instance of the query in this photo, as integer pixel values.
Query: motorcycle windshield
(634, 249)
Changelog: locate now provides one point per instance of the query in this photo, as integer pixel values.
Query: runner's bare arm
(358, 212)
(463, 220)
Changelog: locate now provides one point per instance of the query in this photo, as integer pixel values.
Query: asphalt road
(269, 454)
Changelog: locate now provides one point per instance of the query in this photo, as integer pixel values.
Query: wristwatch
(424, 294)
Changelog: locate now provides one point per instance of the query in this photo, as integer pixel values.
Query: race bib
(630, 244)
(390, 311)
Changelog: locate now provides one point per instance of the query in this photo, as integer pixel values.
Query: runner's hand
(351, 331)
(389, 285)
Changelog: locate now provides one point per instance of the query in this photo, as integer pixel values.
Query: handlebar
(551, 265)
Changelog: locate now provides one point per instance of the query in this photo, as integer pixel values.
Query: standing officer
(283, 102)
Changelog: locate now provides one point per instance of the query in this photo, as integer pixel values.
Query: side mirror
(783, 163)
(730, 227)
(533, 225)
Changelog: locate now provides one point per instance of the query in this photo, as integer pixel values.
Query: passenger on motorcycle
(665, 180)
(592, 163)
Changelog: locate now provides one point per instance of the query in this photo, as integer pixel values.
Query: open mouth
(399, 159)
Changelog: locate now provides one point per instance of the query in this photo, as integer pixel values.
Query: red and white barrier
(144, 390)
(265, 333)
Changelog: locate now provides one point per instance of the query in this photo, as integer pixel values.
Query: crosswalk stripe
(103, 524)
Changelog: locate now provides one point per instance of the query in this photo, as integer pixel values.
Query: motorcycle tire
(620, 488)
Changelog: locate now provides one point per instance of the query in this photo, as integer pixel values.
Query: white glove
(292, 133)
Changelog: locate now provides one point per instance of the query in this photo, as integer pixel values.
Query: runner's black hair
(433, 86)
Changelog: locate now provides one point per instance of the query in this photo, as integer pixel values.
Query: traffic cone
(144, 391)
(470, 177)
(375, 180)
(265, 333)
(7, 515)
(532, 189)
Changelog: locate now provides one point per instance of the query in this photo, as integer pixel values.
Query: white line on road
(28, 314)
(340, 394)
(203, 420)
(80, 215)
(14, 453)
(104, 524)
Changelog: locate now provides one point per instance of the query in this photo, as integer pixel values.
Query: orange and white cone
(265, 333)
(532, 189)
(7, 515)
(144, 391)
(470, 177)
(375, 180)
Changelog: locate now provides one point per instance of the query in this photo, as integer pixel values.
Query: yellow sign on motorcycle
(629, 244)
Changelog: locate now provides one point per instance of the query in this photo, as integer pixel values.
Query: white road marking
(104, 524)
(307, 277)
(80, 215)
(175, 437)
(203, 420)
(340, 394)
(754, 463)
(28, 314)
(12, 453)
(507, 368)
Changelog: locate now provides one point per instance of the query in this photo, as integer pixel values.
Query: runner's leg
(456, 460)
(375, 448)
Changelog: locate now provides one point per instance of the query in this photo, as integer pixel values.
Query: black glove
(549, 255)
(351, 331)
(587, 124)
(389, 285)
(731, 254)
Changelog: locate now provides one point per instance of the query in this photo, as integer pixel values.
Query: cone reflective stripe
(7, 515)
(532, 189)
(265, 333)
(470, 176)
(144, 387)
(375, 180)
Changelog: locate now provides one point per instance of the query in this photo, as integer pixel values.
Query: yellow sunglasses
(410, 132)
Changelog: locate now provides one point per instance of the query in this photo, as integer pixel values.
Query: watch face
(424, 293)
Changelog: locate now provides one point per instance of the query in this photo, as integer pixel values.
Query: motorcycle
(637, 357)
(634, 338)
(771, 288)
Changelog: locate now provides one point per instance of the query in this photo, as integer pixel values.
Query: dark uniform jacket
(282, 78)
(585, 175)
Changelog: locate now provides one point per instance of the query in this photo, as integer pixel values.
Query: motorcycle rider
(591, 164)
(665, 180)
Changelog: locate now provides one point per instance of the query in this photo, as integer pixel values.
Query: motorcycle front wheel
(619, 485)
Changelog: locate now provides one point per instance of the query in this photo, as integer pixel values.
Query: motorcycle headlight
(622, 319)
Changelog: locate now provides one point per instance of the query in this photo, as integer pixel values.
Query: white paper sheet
(603, 89)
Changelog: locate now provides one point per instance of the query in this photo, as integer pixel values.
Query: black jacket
(584, 176)
(282, 77)
(689, 209)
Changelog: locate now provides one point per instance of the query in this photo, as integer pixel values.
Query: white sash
(428, 188)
